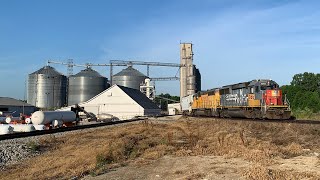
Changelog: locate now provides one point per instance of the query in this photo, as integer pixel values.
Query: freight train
(256, 99)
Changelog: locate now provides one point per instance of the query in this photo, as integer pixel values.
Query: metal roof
(7, 101)
(130, 71)
(88, 72)
(47, 70)
(139, 97)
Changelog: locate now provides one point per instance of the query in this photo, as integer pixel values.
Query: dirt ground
(204, 167)
(168, 167)
(178, 148)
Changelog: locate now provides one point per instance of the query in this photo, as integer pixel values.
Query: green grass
(305, 114)
(33, 146)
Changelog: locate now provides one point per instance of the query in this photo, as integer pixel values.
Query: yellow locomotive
(257, 99)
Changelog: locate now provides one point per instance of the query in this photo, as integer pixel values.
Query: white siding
(186, 103)
(174, 108)
(114, 101)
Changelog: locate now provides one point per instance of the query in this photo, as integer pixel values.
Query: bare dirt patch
(191, 167)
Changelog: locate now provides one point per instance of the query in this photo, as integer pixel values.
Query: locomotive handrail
(286, 100)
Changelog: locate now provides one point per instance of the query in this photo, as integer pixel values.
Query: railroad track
(72, 128)
(65, 129)
(267, 120)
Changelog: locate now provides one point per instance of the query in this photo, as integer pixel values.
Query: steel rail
(296, 121)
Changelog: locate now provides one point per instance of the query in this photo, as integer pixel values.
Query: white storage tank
(47, 117)
(5, 129)
(105, 117)
(39, 127)
(22, 127)
(28, 120)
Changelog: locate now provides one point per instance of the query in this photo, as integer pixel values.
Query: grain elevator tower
(187, 70)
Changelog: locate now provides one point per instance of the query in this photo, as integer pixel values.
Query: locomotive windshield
(269, 85)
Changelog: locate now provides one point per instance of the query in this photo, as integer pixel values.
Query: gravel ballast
(13, 151)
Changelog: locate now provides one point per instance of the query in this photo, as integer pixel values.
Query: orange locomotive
(261, 99)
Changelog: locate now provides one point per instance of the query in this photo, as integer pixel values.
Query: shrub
(103, 159)
(33, 146)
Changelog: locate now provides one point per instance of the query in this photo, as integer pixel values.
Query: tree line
(304, 92)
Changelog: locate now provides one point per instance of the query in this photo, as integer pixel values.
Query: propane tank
(8, 120)
(39, 127)
(46, 117)
(5, 129)
(28, 120)
(105, 117)
(22, 127)
(57, 123)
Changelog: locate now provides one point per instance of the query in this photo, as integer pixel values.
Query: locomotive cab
(272, 101)
(272, 95)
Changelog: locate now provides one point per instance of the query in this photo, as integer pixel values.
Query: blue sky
(234, 41)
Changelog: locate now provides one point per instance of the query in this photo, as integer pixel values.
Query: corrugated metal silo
(47, 88)
(85, 85)
(129, 77)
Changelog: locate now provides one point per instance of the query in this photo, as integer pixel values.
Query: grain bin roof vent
(129, 71)
(88, 72)
(47, 70)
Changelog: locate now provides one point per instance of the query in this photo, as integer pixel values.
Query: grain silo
(85, 85)
(47, 88)
(129, 77)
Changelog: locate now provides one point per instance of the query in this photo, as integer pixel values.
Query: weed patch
(33, 146)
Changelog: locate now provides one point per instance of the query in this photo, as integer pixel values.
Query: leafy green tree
(307, 81)
(163, 103)
(304, 92)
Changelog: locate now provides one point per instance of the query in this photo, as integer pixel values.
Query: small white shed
(174, 108)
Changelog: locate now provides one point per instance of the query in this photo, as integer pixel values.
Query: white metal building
(174, 108)
(121, 102)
